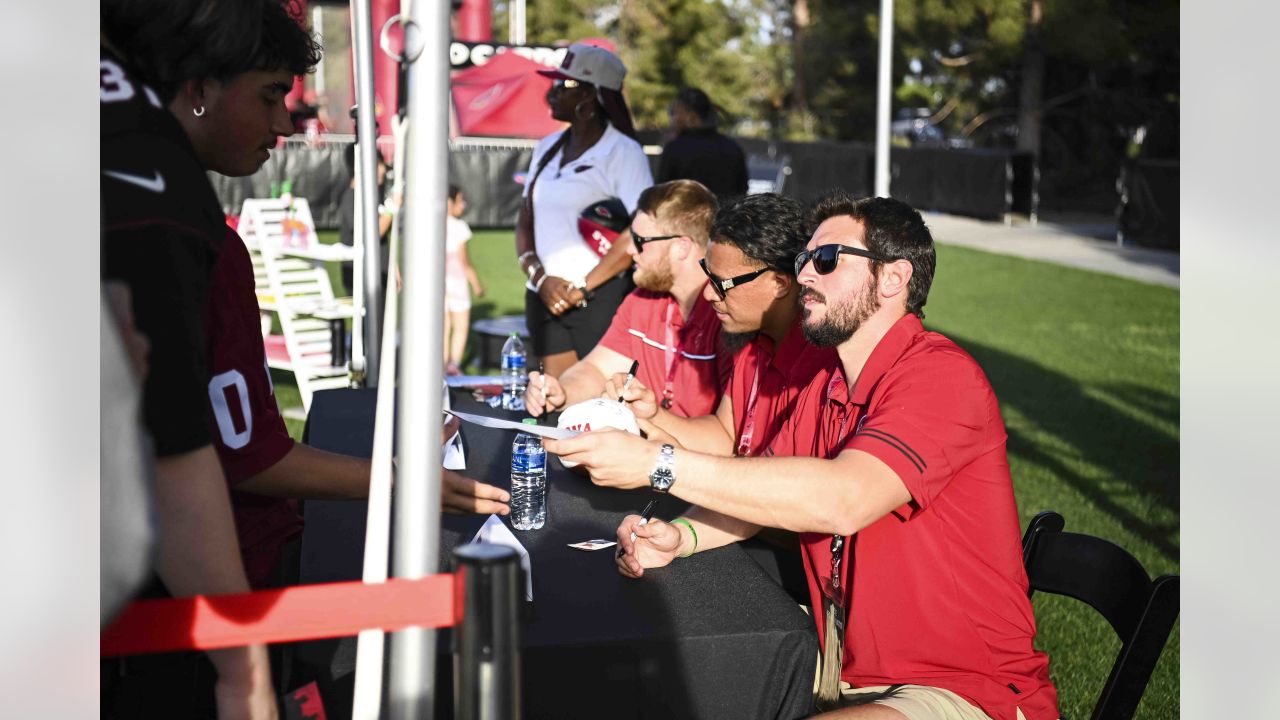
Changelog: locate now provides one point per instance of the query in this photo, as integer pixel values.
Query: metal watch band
(662, 477)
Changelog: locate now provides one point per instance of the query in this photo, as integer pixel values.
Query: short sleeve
(618, 338)
(166, 268)
(630, 173)
(931, 418)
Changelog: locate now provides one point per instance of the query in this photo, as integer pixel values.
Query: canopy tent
(505, 97)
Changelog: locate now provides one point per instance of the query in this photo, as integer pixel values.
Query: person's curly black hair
(168, 42)
(766, 227)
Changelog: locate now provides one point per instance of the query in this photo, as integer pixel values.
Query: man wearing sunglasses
(752, 288)
(906, 511)
(665, 324)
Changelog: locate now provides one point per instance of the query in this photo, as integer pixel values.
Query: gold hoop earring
(198, 112)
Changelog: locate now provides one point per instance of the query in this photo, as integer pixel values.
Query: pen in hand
(644, 520)
(631, 375)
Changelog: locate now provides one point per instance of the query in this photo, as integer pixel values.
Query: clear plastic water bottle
(514, 375)
(528, 481)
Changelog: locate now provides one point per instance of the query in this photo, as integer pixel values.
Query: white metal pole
(317, 26)
(419, 409)
(884, 98)
(515, 21)
(367, 188)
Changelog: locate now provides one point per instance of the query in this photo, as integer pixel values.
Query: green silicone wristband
(694, 533)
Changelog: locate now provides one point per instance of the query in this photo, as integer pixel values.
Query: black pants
(579, 329)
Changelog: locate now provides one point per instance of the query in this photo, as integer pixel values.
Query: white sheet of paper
(496, 532)
(540, 430)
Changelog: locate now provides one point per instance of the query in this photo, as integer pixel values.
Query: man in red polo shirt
(910, 492)
(665, 323)
(752, 288)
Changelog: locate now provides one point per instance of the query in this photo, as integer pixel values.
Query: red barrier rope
(306, 612)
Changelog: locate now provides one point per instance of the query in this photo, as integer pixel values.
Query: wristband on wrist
(694, 533)
(538, 285)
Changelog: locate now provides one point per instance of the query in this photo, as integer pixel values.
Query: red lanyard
(672, 352)
(749, 419)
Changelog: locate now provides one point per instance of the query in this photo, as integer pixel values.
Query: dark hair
(615, 108)
(894, 230)
(168, 42)
(698, 103)
(767, 227)
(454, 191)
(683, 206)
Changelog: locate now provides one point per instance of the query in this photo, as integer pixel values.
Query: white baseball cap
(590, 64)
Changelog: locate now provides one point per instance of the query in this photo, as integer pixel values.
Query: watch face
(661, 479)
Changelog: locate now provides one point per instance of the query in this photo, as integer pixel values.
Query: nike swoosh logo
(154, 184)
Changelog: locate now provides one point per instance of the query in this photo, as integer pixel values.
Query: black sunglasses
(825, 257)
(567, 84)
(722, 287)
(640, 240)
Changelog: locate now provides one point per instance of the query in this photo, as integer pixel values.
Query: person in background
(576, 282)
(460, 280)
(387, 209)
(667, 324)
(698, 151)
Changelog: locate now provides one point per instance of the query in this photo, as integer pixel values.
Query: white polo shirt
(614, 167)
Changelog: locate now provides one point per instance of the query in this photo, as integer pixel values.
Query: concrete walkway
(1084, 245)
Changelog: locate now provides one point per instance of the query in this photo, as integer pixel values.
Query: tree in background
(1082, 83)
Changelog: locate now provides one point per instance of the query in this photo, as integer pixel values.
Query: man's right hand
(460, 495)
(243, 690)
(642, 401)
(657, 543)
(537, 403)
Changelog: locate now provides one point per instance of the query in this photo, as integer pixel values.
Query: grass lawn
(1086, 369)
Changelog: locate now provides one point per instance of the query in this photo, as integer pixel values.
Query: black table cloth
(710, 636)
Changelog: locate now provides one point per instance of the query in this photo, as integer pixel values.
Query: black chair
(1115, 584)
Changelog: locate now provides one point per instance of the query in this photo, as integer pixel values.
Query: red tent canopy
(505, 97)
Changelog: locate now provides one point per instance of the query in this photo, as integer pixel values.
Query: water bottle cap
(529, 421)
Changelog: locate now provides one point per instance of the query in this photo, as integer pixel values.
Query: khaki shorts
(920, 702)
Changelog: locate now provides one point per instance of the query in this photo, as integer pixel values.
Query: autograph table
(710, 636)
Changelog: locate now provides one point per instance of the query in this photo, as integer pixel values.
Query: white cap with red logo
(590, 64)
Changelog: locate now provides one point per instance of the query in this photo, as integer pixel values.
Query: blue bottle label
(528, 462)
(513, 362)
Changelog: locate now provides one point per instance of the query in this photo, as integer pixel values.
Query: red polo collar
(886, 354)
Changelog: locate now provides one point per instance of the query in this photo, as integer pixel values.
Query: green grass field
(1086, 369)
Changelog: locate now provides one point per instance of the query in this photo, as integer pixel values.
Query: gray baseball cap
(590, 64)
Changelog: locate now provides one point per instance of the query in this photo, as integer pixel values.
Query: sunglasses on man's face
(722, 287)
(826, 257)
(640, 240)
(567, 84)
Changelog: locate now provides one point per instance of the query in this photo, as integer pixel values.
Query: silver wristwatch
(663, 475)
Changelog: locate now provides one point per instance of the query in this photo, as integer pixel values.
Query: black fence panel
(1148, 213)
(488, 177)
(978, 183)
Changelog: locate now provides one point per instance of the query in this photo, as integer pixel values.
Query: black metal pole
(486, 656)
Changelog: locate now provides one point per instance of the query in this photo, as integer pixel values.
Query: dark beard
(842, 320)
(733, 342)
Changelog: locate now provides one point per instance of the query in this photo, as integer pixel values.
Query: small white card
(496, 532)
(597, 544)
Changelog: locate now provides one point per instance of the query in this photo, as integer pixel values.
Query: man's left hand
(615, 458)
